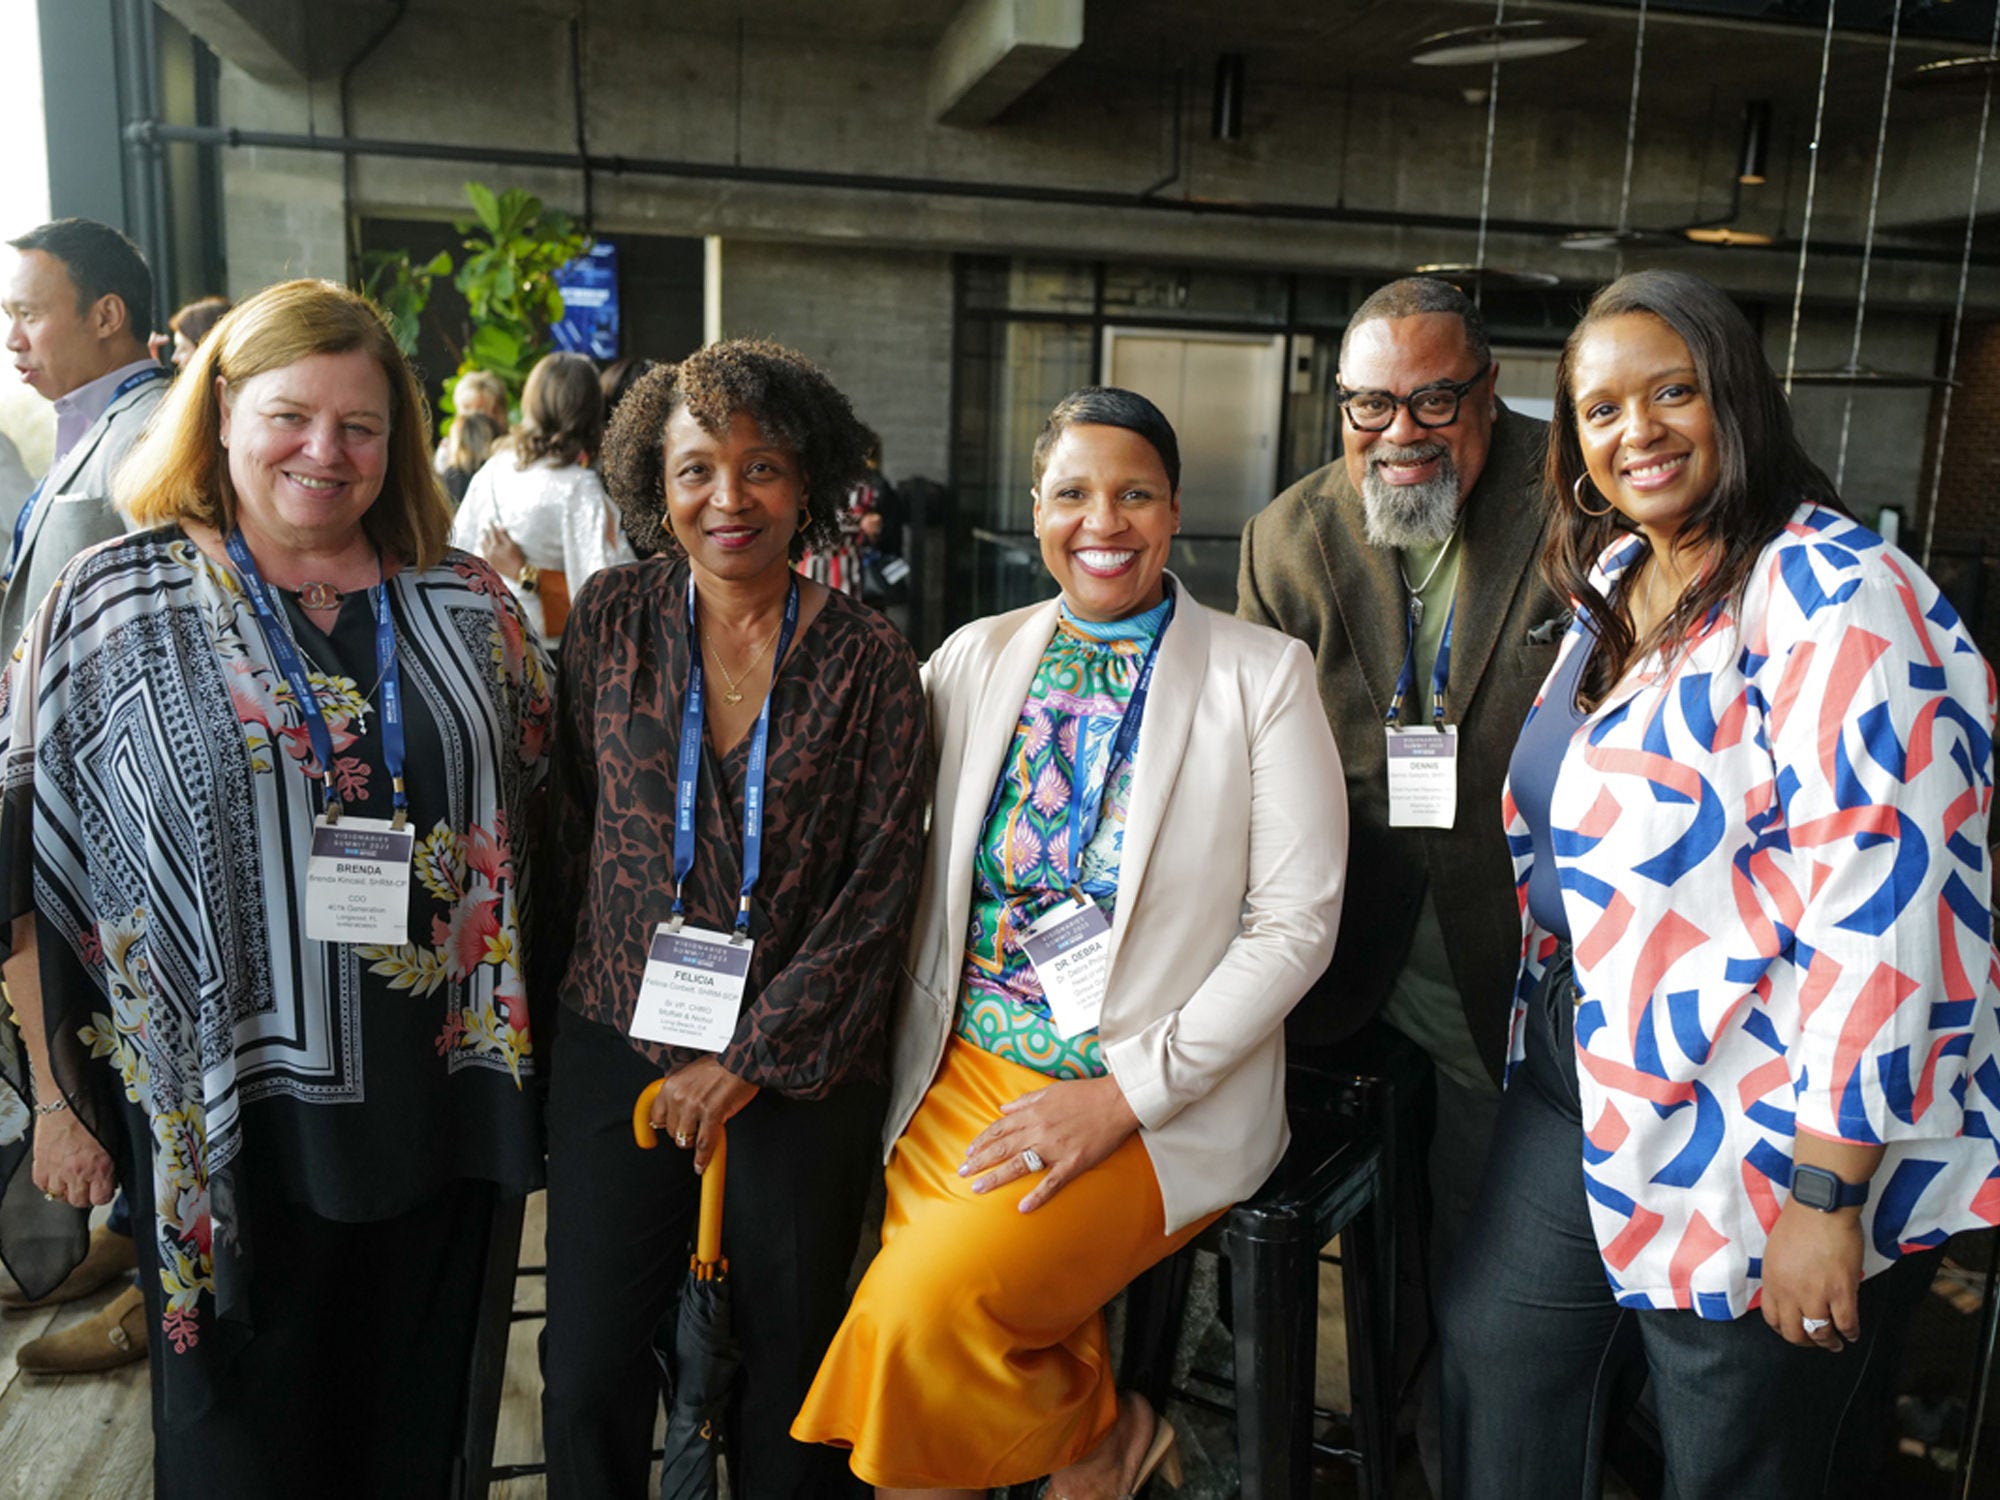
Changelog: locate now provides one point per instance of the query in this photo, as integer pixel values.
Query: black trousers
(354, 1381)
(1536, 1352)
(620, 1224)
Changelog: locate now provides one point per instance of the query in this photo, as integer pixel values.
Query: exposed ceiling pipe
(152, 132)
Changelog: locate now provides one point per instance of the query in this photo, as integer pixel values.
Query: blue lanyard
(279, 638)
(1087, 790)
(129, 384)
(694, 721)
(1440, 670)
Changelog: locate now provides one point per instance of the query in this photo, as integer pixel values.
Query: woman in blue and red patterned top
(1753, 1083)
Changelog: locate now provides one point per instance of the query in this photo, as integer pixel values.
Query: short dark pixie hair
(1109, 406)
(1415, 295)
(780, 389)
(101, 262)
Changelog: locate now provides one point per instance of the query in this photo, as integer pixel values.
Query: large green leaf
(483, 204)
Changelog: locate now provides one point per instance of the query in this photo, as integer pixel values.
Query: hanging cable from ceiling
(1964, 277)
(1868, 238)
(1812, 183)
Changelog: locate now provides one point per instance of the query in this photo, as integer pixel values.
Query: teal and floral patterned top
(1088, 671)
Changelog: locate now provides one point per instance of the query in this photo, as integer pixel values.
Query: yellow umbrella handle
(642, 1116)
(708, 1234)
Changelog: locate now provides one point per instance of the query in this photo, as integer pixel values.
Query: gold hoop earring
(1576, 494)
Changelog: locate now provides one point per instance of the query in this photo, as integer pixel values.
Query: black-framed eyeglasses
(1433, 405)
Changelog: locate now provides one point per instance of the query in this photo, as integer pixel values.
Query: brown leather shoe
(115, 1336)
(109, 1257)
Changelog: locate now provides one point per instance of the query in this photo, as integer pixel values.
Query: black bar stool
(1331, 1184)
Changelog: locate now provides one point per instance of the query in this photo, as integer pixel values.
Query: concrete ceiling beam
(282, 41)
(994, 51)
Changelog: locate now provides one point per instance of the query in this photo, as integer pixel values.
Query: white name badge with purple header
(358, 881)
(1070, 947)
(1423, 777)
(693, 989)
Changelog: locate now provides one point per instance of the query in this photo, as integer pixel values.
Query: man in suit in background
(79, 307)
(1424, 535)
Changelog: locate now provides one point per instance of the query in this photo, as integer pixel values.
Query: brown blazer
(1308, 569)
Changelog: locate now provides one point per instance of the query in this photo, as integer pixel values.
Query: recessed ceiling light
(1616, 239)
(1950, 74)
(1510, 41)
(1723, 235)
(1459, 272)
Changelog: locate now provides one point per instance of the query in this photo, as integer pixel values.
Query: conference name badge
(1423, 776)
(358, 881)
(692, 992)
(1070, 948)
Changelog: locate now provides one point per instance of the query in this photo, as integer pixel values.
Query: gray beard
(1409, 515)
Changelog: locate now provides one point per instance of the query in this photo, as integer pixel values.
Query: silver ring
(1032, 1160)
(1814, 1325)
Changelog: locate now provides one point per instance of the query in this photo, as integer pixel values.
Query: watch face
(1814, 1187)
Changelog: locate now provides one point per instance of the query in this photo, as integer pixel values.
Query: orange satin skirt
(974, 1354)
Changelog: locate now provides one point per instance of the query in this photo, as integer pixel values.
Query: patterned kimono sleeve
(39, 1241)
(831, 1002)
(19, 689)
(1880, 717)
(564, 812)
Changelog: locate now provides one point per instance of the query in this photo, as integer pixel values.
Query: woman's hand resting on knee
(1068, 1128)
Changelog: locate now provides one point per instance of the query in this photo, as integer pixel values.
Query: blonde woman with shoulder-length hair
(266, 760)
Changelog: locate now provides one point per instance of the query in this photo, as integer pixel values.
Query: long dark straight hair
(1763, 472)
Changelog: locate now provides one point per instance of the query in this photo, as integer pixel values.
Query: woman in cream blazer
(1033, 1173)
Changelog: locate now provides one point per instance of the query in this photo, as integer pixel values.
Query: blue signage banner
(589, 284)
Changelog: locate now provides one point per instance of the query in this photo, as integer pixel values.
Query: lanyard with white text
(1440, 671)
(278, 637)
(130, 383)
(1087, 791)
(693, 724)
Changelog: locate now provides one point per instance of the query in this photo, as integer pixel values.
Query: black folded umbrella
(702, 1357)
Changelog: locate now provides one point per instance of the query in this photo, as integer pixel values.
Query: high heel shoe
(1163, 1456)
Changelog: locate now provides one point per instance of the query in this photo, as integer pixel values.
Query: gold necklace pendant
(733, 695)
(320, 596)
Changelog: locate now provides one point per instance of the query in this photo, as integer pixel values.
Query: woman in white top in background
(537, 510)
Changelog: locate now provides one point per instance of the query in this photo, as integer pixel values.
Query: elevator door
(1224, 394)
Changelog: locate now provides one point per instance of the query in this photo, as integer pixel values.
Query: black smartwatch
(1818, 1188)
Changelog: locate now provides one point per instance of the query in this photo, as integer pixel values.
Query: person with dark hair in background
(618, 377)
(789, 722)
(1089, 1049)
(261, 849)
(1753, 1085)
(187, 328)
(537, 509)
(1408, 567)
(78, 307)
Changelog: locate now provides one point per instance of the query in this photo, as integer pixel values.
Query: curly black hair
(786, 394)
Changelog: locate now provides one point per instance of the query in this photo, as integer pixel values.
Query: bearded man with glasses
(1409, 568)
